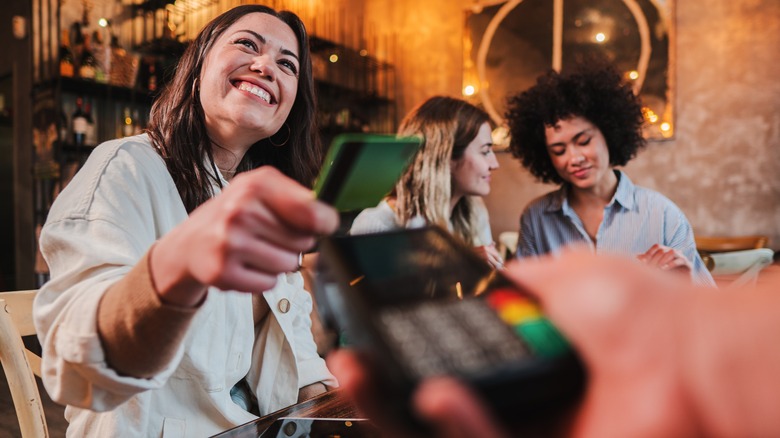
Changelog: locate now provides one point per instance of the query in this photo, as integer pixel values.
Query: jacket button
(284, 305)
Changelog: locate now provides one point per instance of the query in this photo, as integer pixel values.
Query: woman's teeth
(257, 91)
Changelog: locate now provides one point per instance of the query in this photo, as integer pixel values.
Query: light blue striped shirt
(635, 219)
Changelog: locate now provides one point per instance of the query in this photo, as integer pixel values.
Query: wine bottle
(77, 46)
(90, 136)
(67, 69)
(102, 54)
(79, 124)
(88, 66)
(152, 77)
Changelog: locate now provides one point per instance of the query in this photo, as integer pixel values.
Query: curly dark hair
(596, 93)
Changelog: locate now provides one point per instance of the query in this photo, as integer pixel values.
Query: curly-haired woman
(573, 130)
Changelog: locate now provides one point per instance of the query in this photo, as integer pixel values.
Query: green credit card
(361, 169)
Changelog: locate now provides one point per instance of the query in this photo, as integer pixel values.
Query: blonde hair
(446, 126)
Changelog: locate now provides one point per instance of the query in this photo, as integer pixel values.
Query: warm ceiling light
(633, 74)
(102, 22)
(334, 58)
(469, 90)
(650, 115)
(364, 52)
(600, 37)
(665, 126)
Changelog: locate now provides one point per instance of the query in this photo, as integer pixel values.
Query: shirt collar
(558, 200)
(624, 195)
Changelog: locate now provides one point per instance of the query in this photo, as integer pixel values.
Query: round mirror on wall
(509, 44)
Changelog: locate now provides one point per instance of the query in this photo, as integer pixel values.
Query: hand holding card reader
(418, 303)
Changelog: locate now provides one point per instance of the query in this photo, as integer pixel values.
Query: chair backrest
(710, 244)
(20, 364)
(507, 244)
(744, 264)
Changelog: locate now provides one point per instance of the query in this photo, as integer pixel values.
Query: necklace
(226, 172)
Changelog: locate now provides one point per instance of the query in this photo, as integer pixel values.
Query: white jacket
(105, 220)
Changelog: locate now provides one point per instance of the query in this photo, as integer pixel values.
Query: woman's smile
(581, 173)
(255, 90)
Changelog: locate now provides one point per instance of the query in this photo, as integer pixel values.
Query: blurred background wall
(723, 165)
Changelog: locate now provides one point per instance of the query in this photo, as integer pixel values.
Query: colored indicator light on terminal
(499, 297)
(512, 307)
(543, 338)
(518, 312)
(525, 317)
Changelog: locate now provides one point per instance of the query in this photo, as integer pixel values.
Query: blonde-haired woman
(445, 181)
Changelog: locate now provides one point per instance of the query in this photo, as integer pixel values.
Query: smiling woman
(249, 50)
(143, 326)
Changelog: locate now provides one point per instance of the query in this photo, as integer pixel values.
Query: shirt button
(284, 305)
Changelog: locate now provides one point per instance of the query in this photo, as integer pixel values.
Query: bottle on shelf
(102, 54)
(76, 39)
(152, 77)
(79, 124)
(88, 65)
(67, 67)
(90, 136)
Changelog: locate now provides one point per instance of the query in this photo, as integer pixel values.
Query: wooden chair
(20, 364)
(725, 244)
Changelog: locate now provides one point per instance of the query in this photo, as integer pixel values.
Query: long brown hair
(177, 125)
(447, 126)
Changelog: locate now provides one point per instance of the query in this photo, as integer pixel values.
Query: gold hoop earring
(270, 139)
(195, 90)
